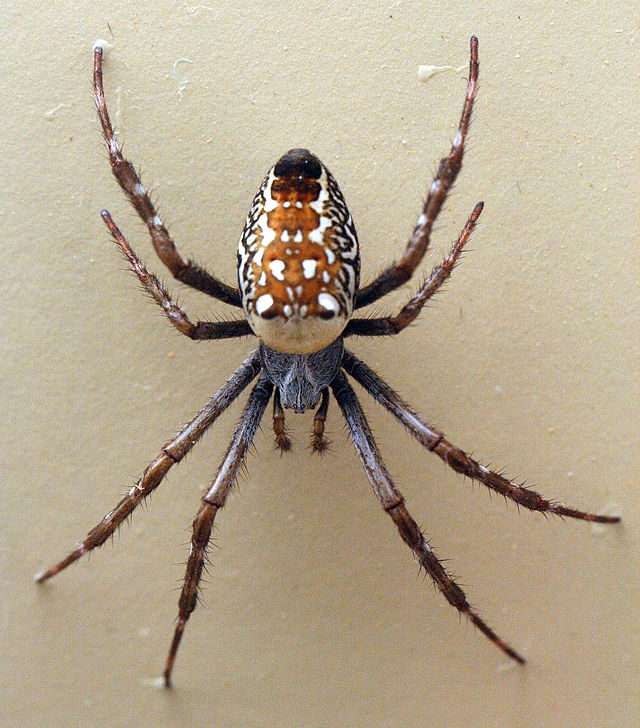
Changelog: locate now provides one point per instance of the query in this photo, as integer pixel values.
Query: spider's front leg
(186, 271)
(173, 452)
(155, 289)
(453, 456)
(392, 501)
(410, 311)
(212, 502)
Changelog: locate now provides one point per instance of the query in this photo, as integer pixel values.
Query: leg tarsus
(414, 538)
(202, 526)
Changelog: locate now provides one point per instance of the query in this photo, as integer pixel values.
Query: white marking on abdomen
(277, 268)
(264, 303)
(257, 258)
(309, 268)
(317, 235)
(326, 300)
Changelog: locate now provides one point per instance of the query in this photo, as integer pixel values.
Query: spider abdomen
(298, 259)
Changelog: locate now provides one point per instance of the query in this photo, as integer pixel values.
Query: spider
(298, 275)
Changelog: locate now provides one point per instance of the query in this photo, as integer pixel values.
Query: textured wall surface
(314, 613)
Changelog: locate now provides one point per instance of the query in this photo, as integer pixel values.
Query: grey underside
(300, 378)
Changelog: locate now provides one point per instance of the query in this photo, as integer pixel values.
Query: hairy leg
(319, 442)
(212, 502)
(283, 442)
(409, 312)
(171, 453)
(435, 441)
(400, 272)
(155, 289)
(393, 503)
(185, 271)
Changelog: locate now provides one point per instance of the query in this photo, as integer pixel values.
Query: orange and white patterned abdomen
(298, 258)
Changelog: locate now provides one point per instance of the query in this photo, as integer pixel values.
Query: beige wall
(315, 614)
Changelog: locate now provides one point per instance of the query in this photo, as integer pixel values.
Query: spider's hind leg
(186, 271)
(400, 272)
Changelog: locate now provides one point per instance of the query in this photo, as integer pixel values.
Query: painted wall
(314, 612)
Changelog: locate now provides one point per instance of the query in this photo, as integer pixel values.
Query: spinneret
(298, 259)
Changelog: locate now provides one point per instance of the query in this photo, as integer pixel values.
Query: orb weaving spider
(298, 274)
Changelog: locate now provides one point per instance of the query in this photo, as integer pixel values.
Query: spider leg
(171, 453)
(155, 289)
(392, 501)
(410, 311)
(185, 271)
(400, 272)
(212, 502)
(435, 441)
(319, 442)
(283, 442)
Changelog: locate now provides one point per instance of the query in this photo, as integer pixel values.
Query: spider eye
(326, 315)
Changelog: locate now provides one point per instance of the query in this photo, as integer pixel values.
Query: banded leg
(283, 442)
(319, 442)
(185, 271)
(400, 272)
(155, 289)
(392, 501)
(212, 502)
(409, 312)
(171, 453)
(435, 441)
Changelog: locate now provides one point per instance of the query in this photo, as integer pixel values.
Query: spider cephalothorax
(298, 269)
(298, 259)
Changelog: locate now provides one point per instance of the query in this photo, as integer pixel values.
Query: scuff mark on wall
(181, 80)
(427, 72)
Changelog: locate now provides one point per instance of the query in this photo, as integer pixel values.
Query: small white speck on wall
(426, 72)
(181, 80)
(104, 44)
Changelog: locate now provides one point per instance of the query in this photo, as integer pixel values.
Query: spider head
(300, 378)
(298, 259)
